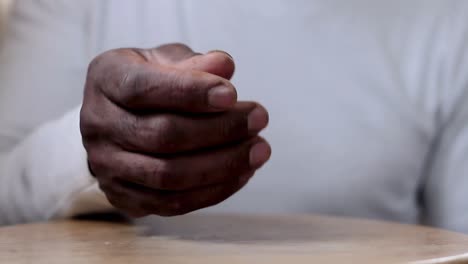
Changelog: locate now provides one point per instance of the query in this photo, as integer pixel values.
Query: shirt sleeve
(445, 193)
(43, 164)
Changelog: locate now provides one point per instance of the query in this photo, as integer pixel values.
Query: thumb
(216, 62)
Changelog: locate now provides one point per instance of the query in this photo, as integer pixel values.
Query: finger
(171, 54)
(169, 133)
(192, 171)
(218, 63)
(145, 201)
(160, 87)
(124, 200)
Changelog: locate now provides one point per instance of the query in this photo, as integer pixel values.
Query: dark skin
(164, 131)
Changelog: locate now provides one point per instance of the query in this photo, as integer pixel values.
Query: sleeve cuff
(83, 193)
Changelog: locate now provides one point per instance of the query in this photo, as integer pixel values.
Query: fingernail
(222, 97)
(259, 154)
(221, 51)
(258, 119)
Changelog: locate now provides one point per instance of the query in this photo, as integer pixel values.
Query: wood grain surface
(230, 239)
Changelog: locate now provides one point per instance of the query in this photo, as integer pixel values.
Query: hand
(164, 132)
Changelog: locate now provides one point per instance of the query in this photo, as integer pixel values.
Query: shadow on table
(110, 217)
(234, 228)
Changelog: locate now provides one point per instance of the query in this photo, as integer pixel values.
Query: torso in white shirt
(357, 92)
(350, 128)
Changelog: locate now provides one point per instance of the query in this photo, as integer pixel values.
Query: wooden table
(230, 239)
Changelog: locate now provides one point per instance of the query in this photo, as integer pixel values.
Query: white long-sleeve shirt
(368, 101)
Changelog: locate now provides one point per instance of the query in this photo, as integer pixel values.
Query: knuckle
(149, 203)
(128, 80)
(105, 168)
(119, 199)
(105, 185)
(139, 174)
(126, 86)
(96, 63)
(125, 170)
(232, 126)
(231, 164)
(163, 176)
(220, 193)
(90, 123)
(177, 46)
(114, 201)
(135, 83)
(127, 128)
(165, 133)
(225, 128)
(175, 207)
(234, 161)
(141, 207)
(97, 162)
(130, 86)
(160, 134)
(182, 87)
(116, 196)
(175, 51)
(180, 45)
(171, 207)
(99, 64)
(119, 74)
(164, 124)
